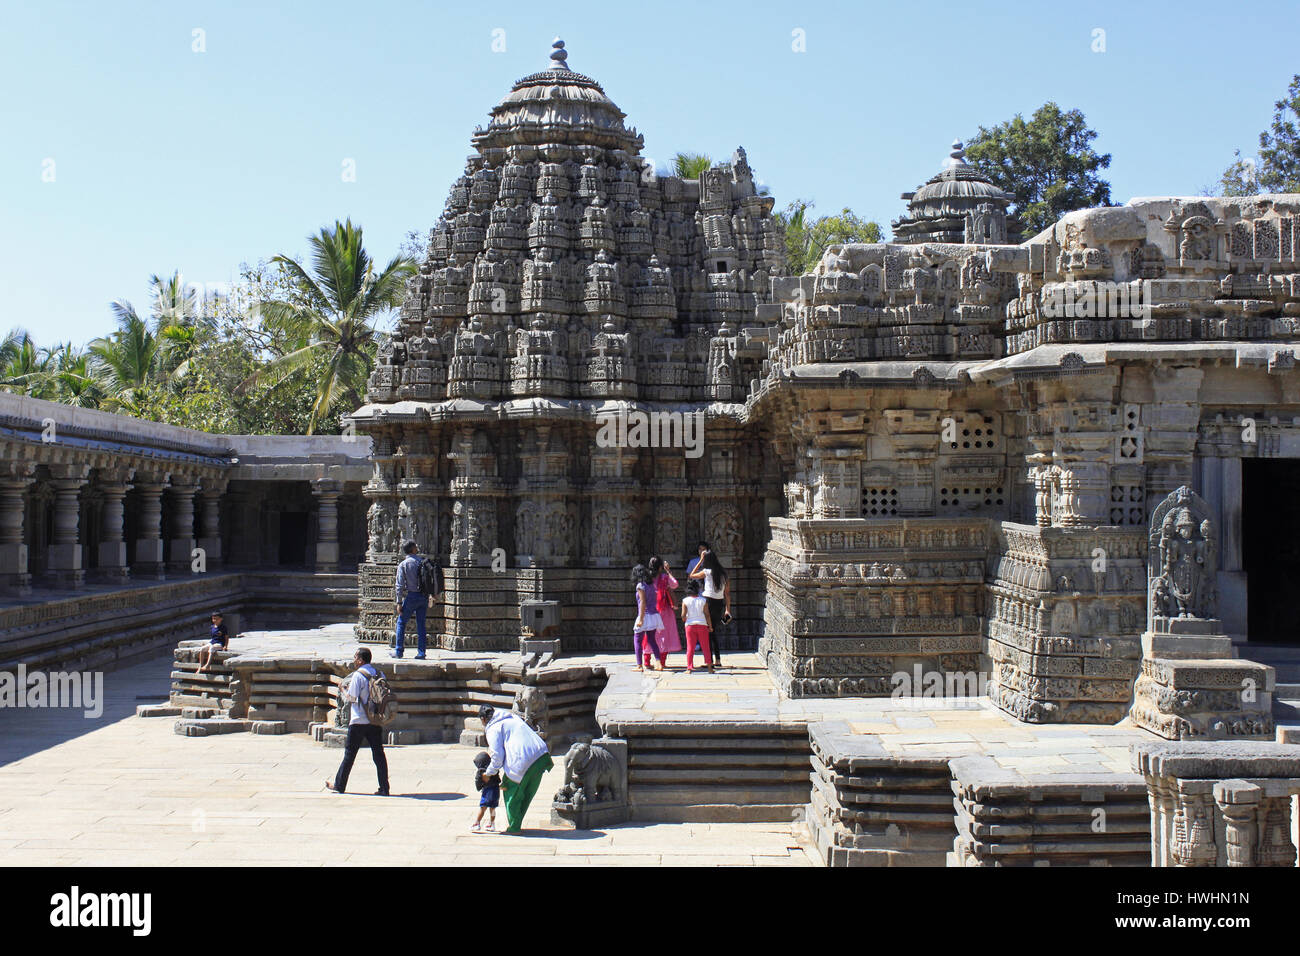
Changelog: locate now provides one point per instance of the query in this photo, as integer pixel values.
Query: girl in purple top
(648, 621)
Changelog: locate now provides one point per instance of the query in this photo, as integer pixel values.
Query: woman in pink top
(665, 584)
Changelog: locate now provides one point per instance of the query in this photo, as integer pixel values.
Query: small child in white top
(695, 615)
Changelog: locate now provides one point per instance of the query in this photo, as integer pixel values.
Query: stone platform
(288, 682)
(877, 781)
(119, 791)
(911, 781)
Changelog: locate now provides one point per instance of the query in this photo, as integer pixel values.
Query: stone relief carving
(1183, 561)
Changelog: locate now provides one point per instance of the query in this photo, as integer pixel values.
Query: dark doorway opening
(1270, 532)
(293, 537)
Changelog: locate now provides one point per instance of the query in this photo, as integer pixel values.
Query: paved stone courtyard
(936, 726)
(128, 791)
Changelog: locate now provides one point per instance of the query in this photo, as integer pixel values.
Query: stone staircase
(1286, 694)
(709, 772)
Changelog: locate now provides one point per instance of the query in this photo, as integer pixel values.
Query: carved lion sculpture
(591, 775)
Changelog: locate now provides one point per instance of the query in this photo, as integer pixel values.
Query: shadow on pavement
(27, 730)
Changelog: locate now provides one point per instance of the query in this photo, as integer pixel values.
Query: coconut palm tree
(691, 165)
(127, 360)
(23, 366)
(329, 318)
(74, 377)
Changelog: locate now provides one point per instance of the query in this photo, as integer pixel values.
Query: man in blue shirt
(410, 600)
(702, 546)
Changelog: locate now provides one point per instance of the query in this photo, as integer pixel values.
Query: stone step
(638, 778)
(661, 760)
(1269, 653)
(210, 727)
(1286, 708)
(1288, 732)
(157, 710)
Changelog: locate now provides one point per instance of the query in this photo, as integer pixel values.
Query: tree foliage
(1277, 167)
(690, 165)
(807, 238)
(282, 352)
(1047, 163)
(329, 316)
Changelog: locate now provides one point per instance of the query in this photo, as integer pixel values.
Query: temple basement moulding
(940, 452)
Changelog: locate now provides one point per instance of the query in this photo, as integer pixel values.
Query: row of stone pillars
(153, 556)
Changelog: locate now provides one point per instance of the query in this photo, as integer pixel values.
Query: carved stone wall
(1065, 611)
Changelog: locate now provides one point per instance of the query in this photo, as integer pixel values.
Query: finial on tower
(559, 55)
(957, 157)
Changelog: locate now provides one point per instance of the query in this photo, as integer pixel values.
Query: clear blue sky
(166, 158)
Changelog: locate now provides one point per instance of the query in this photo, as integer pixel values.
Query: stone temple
(1058, 472)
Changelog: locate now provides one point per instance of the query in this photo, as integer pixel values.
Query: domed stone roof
(938, 210)
(560, 107)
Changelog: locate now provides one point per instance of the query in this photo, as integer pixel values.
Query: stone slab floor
(121, 790)
(742, 692)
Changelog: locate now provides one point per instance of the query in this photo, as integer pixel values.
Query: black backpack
(430, 577)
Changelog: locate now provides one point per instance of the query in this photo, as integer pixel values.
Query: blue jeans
(416, 604)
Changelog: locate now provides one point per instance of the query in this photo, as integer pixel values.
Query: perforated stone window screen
(879, 502)
(1128, 505)
(970, 497)
(975, 435)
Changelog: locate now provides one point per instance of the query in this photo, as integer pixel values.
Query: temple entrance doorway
(1271, 548)
(293, 538)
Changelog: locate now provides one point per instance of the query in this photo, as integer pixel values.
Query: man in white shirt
(521, 754)
(356, 691)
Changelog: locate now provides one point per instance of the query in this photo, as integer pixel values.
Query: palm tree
(137, 354)
(691, 165)
(329, 318)
(76, 377)
(128, 359)
(23, 366)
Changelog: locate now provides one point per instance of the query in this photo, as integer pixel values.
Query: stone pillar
(210, 520)
(327, 492)
(14, 577)
(1238, 802)
(112, 546)
(64, 565)
(149, 546)
(180, 547)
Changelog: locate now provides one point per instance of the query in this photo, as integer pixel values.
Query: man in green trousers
(521, 754)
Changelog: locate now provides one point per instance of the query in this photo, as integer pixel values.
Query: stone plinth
(1222, 805)
(1180, 698)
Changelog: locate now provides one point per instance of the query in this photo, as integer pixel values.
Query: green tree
(73, 377)
(24, 367)
(1047, 164)
(1277, 167)
(690, 165)
(329, 317)
(807, 238)
(129, 359)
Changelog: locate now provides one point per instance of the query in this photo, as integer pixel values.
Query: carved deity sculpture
(1181, 558)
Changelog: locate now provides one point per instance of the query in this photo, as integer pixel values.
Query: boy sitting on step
(218, 638)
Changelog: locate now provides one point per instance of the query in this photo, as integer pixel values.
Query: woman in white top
(717, 591)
